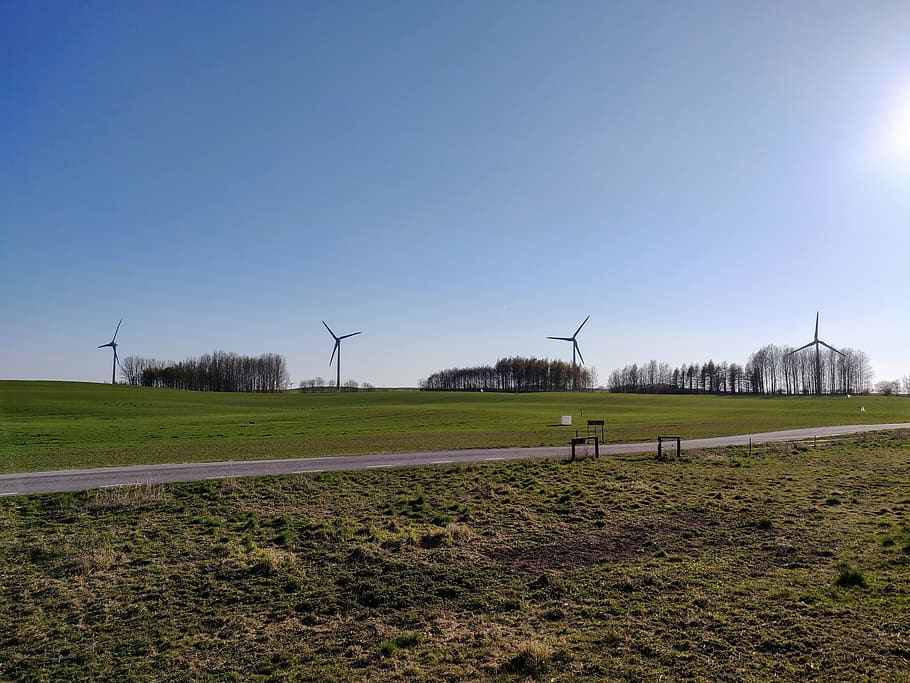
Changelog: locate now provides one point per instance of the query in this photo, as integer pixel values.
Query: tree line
(218, 371)
(770, 370)
(892, 387)
(318, 384)
(513, 375)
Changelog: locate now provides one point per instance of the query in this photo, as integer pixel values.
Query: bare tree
(219, 371)
(513, 375)
(887, 387)
(131, 369)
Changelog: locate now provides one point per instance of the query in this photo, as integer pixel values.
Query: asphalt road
(101, 477)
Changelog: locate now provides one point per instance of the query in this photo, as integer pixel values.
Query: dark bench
(660, 443)
(576, 440)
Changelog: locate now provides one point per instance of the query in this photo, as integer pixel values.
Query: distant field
(790, 565)
(59, 425)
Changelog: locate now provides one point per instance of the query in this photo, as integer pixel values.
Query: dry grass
(716, 566)
(120, 498)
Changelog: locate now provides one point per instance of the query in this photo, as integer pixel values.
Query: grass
(712, 566)
(850, 577)
(61, 425)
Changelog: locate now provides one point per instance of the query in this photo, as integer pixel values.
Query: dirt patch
(687, 534)
(566, 553)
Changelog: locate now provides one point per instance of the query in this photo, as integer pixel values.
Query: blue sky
(457, 180)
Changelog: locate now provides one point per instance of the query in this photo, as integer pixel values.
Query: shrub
(440, 519)
(436, 539)
(390, 646)
(270, 561)
(848, 577)
(284, 537)
(532, 659)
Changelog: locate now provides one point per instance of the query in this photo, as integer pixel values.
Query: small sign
(566, 421)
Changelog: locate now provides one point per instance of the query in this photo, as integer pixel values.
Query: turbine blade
(805, 346)
(562, 338)
(337, 343)
(353, 334)
(330, 331)
(103, 345)
(117, 330)
(831, 347)
(580, 326)
(579, 351)
(816, 325)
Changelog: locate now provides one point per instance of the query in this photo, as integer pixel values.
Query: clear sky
(458, 180)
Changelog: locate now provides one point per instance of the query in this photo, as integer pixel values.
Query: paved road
(101, 477)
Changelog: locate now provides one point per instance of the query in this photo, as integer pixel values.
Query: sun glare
(894, 141)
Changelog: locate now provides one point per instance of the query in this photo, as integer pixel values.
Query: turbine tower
(818, 361)
(113, 344)
(338, 349)
(574, 341)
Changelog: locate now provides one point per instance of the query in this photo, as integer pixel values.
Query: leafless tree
(887, 387)
(513, 375)
(219, 371)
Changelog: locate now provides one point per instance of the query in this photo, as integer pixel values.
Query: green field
(60, 425)
(789, 565)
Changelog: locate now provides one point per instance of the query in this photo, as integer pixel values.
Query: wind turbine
(574, 343)
(818, 361)
(113, 344)
(338, 349)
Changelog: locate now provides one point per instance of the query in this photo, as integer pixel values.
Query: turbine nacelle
(815, 341)
(575, 348)
(818, 363)
(337, 349)
(113, 344)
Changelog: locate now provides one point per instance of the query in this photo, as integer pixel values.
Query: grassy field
(789, 565)
(59, 425)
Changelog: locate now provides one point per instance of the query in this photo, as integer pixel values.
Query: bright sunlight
(894, 137)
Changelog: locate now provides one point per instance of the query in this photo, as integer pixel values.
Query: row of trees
(775, 371)
(318, 384)
(653, 378)
(513, 375)
(218, 371)
(770, 370)
(893, 387)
